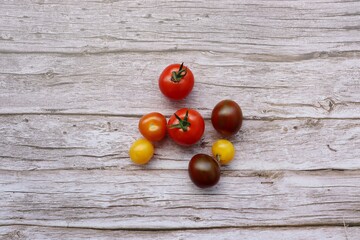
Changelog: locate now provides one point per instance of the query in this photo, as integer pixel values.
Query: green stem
(176, 76)
(218, 157)
(183, 123)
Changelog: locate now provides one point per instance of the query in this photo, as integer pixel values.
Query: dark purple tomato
(227, 117)
(204, 170)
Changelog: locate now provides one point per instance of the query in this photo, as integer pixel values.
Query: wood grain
(296, 29)
(126, 84)
(75, 76)
(309, 233)
(42, 142)
(166, 199)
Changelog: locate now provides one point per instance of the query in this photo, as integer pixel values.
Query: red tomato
(176, 81)
(186, 126)
(153, 126)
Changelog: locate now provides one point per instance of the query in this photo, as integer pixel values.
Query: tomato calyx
(177, 76)
(183, 123)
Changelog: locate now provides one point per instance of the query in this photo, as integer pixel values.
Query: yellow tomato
(141, 151)
(223, 150)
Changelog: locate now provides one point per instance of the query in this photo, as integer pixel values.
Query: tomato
(227, 117)
(153, 126)
(204, 171)
(186, 126)
(223, 150)
(141, 151)
(176, 81)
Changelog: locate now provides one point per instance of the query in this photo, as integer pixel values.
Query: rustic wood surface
(76, 76)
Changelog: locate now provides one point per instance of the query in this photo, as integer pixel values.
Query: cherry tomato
(204, 171)
(223, 150)
(227, 117)
(141, 151)
(153, 126)
(176, 81)
(186, 126)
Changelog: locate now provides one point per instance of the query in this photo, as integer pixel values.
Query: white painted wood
(38, 142)
(166, 199)
(298, 29)
(127, 84)
(308, 233)
(75, 76)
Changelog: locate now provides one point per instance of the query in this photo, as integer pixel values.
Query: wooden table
(76, 76)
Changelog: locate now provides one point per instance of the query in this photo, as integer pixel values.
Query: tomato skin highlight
(179, 88)
(204, 171)
(141, 151)
(227, 117)
(194, 131)
(153, 126)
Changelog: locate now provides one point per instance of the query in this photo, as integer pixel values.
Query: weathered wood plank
(264, 27)
(126, 84)
(97, 142)
(308, 233)
(76, 75)
(162, 199)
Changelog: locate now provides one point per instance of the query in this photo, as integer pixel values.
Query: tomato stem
(176, 76)
(218, 157)
(183, 123)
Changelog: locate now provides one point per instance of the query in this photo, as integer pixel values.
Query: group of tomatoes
(186, 127)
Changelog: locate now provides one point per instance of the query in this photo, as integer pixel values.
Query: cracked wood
(160, 199)
(283, 233)
(37, 142)
(75, 76)
(117, 84)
